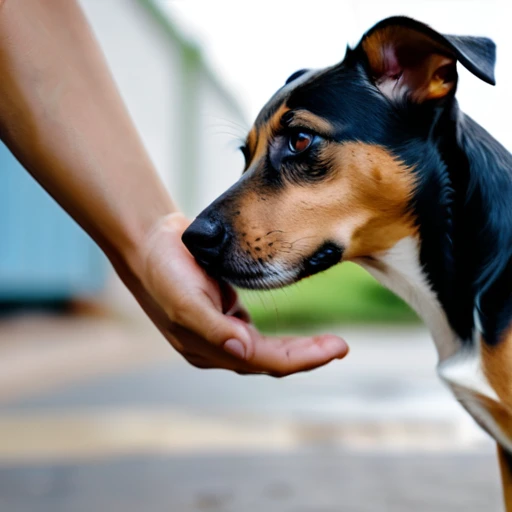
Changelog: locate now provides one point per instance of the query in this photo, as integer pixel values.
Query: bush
(344, 294)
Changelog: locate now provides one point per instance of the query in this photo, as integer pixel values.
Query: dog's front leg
(497, 366)
(505, 459)
(480, 376)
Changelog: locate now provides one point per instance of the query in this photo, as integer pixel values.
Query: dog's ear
(408, 58)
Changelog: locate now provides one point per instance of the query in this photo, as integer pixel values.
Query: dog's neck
(400, 270)
(458, 277)
(477, 279)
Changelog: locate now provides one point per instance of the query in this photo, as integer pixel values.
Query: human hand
(204, 320)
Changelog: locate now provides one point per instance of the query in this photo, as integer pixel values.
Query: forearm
(61, 115)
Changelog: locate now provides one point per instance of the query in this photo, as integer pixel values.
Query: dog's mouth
(254, 275)
(328, 255)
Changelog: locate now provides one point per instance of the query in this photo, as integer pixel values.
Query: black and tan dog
(372, 161)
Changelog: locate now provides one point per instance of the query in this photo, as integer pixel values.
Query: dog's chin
(253, 275)
(260, 278)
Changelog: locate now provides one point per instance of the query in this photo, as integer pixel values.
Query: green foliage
(343, 294)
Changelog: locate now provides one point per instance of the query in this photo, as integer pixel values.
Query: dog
(372, 161)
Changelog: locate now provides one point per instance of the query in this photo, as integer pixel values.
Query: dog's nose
(206, 239)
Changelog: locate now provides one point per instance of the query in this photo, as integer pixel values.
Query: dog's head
(335, 159)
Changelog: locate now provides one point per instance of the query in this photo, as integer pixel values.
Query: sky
(255, 46)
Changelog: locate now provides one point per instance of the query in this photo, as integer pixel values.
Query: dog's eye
(299, 141)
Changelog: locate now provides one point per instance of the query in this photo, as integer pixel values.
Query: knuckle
(212, 332)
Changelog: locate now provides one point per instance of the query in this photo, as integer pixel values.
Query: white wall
(222, 130)
(145, 67)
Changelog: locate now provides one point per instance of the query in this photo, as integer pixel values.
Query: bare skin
(61, 115)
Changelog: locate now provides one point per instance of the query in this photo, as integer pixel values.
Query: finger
(241, 313)
(205, 363)
(285, 356)
(199, 314)
(274, 356)
(228, 295)
(231, 305)
(201, 353)
(277, 356)
(293, 355)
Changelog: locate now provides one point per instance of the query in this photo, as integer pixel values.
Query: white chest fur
(460, 365)
(399, 269)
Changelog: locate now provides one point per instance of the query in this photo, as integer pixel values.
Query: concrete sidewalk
(102, 415)
(116, 388)
(300, 482)
(43, 352)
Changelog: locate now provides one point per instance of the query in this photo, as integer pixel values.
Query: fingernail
(235, 348)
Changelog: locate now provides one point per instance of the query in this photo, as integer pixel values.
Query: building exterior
(177, 103)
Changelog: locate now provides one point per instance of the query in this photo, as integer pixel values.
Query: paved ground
(303, 482)
(101, 415)
(42, 352)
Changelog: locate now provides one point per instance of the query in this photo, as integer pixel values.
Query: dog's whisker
(227, 122)
(235, 137)
(303, 238)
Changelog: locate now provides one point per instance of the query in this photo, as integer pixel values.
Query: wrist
(131, 258)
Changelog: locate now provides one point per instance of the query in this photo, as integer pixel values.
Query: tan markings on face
(252, 140)
(305, 119)
(258, 138)
(361, 205)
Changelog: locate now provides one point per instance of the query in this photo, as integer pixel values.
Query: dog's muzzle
(206, 239)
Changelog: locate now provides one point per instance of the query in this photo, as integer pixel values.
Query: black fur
(295, 75)
(463, 198)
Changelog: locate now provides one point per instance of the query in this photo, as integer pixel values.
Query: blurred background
(98, 413)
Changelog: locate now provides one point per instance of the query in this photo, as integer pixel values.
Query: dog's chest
(399, 269)
(460, 363)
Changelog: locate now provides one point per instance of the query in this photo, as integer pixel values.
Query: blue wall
(44, 254)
